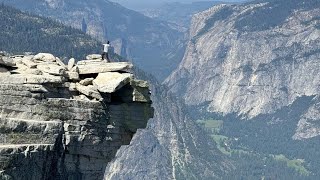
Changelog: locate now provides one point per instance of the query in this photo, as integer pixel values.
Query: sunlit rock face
(56, 120)
(251, 59)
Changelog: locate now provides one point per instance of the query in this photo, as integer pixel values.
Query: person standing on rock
(105, 54)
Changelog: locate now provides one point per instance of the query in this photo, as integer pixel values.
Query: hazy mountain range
(145, 4)
(178, 13)
(21, 32)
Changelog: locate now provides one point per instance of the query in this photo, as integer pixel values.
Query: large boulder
(109, 82)
(89, 91)
(94, 56)
(72, 75)
(51, 69)
(29, 63)
(58, 60)
(45, 57)
(97, 66)
(71, 63)
(6, 61)
(86, 81)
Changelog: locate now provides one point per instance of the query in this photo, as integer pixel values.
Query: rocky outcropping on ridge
(151, 44)
(62, 121)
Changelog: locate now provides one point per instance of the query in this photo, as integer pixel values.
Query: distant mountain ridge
(23, 32)
(179, 13)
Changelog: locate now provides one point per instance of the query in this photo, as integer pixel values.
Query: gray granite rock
(6, 61)
(58, 60)
(86, 81)
(94, 57)
(47, 57)
(51, 69)
(72, 75)
(109, 82)
(71, 63)
(97, 66)
(29, 63)
(89, 90)
(234, 63)
(52, 127)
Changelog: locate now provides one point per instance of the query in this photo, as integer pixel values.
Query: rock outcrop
(130, 33)
(56, 120)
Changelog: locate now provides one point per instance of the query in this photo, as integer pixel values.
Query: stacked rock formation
(62, 121)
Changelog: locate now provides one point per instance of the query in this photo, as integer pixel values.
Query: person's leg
(107, 57)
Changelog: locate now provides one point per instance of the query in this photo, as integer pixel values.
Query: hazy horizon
(141, 4)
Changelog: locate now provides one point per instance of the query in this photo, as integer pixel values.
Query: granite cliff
(255, 67)
(172, 146)
(62, 121)
(251, 59)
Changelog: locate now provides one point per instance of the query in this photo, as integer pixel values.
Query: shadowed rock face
(57, 126)
(251, 59)
(172, 146)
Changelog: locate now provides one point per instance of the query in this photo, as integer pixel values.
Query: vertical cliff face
(66, 121)
(251, 59)
(255, 66)
(173, 146)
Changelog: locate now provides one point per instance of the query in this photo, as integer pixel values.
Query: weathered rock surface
(94, 56)
(53, 69)
(240, 60)
(86, 81)
(99, 66)
(71, 63)
(44, 57)
(90, 91)
(111, 81)
(258, 62)
(58, 60)
(54, 127)
(171, 147)
(29, 63)
(6, 61)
